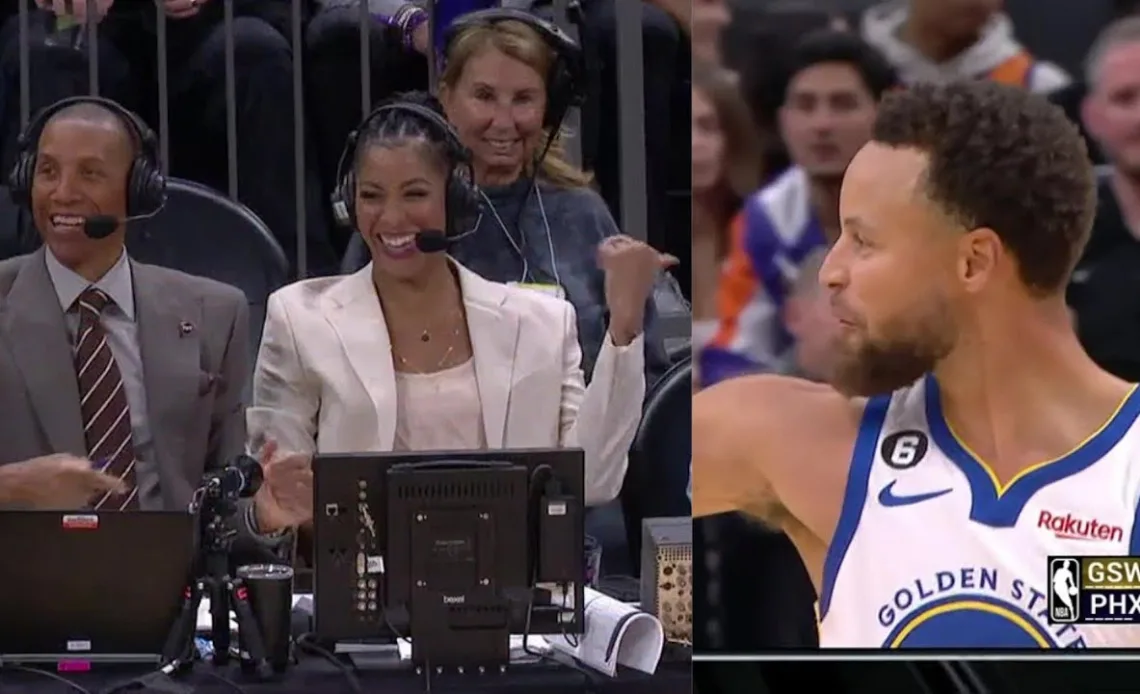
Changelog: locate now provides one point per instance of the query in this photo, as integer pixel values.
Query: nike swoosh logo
(888, 498)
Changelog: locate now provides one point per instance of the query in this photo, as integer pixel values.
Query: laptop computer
(97, 587)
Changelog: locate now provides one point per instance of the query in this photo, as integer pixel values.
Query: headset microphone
(436, 241)
(100, 226)
(432, 241)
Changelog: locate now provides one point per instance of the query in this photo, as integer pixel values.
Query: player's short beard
(910, 351)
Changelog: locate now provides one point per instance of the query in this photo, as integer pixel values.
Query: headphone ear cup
(560, 94)
(147, 191)
(20, 180)
(462, 202)
(343, 203)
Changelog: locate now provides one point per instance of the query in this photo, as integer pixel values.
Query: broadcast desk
(315, 675)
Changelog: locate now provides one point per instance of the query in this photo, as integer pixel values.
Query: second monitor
(460, 547)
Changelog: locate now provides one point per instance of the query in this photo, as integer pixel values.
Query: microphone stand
(217, 510)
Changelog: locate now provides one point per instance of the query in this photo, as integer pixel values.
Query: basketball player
(974, 437)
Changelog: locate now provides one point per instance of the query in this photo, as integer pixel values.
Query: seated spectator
(1072, 98)
(830, 100)
(944, 40)
(416, 352)
(397, 43)
(726, 168)
(135, 367)
(760, 45)
(1105, 288)
(545, 232)
(196, 48)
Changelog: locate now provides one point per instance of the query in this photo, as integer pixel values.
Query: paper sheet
(616, 633)
(535, 644)
(205, 622)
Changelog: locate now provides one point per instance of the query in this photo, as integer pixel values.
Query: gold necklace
(425, 337)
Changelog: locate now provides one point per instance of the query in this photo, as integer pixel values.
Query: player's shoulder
(782, 403)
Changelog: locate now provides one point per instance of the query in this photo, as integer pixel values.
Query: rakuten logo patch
(1070, 527)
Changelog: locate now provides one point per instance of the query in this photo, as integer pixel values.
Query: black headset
(146, 186)
(566, 81)
(461, 196)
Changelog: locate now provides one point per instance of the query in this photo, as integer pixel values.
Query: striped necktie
(103, 403)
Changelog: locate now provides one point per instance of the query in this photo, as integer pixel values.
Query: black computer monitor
(89, 586)
(397, 535)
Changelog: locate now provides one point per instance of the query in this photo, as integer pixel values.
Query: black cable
(49, 675)
(308, 644)
(571, 639)
(395, 632)
(532, 184)
(593, 681)
(534, 497)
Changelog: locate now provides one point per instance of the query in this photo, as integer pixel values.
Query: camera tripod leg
(248, 629)
(180, 643)
(219, 619)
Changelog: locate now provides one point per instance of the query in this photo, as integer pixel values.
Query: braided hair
(396, 128)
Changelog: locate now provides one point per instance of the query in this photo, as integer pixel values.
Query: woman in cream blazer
(414, 352)
(326, 381)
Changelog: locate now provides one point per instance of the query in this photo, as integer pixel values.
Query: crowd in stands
(775, 123)
(264, 90)
(553, 234)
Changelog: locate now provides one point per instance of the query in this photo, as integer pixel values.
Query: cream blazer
(325, 382)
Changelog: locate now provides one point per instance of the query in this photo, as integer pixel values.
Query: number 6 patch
(904, 449)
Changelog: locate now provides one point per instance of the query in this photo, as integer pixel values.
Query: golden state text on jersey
(931, 551)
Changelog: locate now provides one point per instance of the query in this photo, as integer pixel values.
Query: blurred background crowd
(784, 94)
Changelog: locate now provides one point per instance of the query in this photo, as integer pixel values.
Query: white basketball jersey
(931, 552)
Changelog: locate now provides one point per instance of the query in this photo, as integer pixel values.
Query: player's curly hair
(1002, 158)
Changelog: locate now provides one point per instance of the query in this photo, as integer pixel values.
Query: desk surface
(314, 675)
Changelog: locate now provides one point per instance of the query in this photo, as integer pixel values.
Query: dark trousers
(667, 124)
(196, 60)
(333, 79)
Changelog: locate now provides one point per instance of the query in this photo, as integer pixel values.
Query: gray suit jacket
(194, 379)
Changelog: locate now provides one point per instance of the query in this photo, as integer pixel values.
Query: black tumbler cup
(269, 589)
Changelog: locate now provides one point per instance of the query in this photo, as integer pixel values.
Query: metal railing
(630, 88)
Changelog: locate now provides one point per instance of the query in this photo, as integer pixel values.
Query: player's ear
(979, 253)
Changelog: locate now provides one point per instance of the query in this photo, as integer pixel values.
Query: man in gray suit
(137, 368)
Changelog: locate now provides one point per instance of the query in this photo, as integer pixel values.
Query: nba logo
(1064, 590)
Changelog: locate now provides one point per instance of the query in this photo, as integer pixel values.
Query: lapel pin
(185, 328)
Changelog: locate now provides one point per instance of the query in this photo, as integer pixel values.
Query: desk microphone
(240, 478)
(100, 226)
(435, 240)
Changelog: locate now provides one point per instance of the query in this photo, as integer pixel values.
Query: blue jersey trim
(998, 505)
(855, 495)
